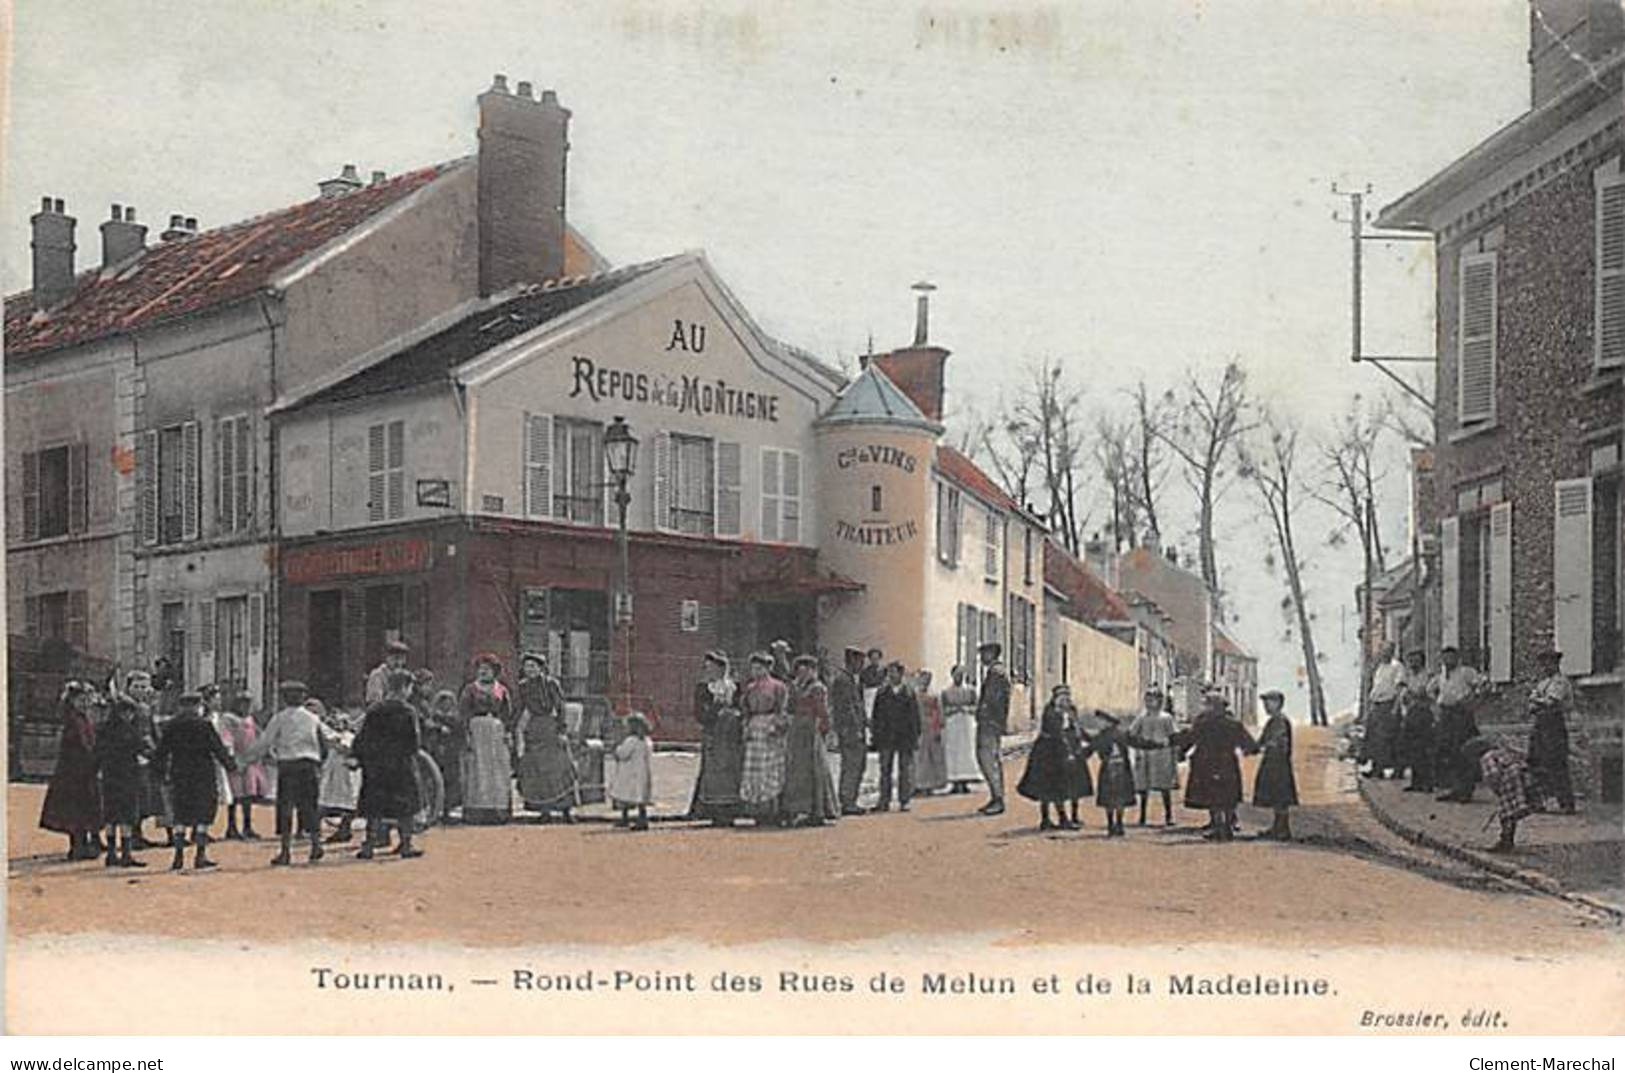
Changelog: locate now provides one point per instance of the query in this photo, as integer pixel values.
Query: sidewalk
(1581, 857)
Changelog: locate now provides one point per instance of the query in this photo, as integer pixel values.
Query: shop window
(685, 483)
(55, 497)
(384, 615)
(578, 640)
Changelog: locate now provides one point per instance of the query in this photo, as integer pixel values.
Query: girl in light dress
(632, 785)
(340, 784)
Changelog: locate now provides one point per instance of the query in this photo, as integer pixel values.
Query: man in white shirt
(1455, 691)
(1382, 716)
(295, 739)
(395, 652)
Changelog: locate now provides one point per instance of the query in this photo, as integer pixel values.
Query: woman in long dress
(930, 756)
(1154, 767)
(1051, 774)
(808, 795)
(338, 791)
(73, 803)
(959, 733)
(487, 774)
(764, 704)
(722, 744)
(222, 781)
(250, 783)
(547, 772)
(1214, 784)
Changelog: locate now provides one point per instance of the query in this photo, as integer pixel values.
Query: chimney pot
(377, 177)
(922, 312)
(524, 89)
(45, 204)
(191, 223)
(122, 237)
(350, 173)
(549, 97)
(118, 212)
(58, 206)
(129, 214)
(499, 83)
(176, 221)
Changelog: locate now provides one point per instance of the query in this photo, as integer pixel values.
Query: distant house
(1092, 642)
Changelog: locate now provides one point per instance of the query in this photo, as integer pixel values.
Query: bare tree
(1352, 470)
(1044, 432)
(1117, 460)
(1270, 464)
(1151, 417)
(1206, 420)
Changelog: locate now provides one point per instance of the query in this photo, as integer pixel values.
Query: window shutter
(538, 492)
(1475, 369)
(78, 488)
(224, 448)
(31, 616)
(146, 465)
(245, 473)
(1450, 582)
(256, 622)
(205, 625)
(191, 493)
(771, 492)
(396, 468)
(376, 491)
(956, 524)
(942, 526)
(727, 483)
(1610, 314)
(662, 483)
(1571, 574)
(1500, 594)
(790, 490)
(31, 495)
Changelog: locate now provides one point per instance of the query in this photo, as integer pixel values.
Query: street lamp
(620, 455)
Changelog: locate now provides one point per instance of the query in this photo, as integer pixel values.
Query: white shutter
(395, 464)
(790, 493)
(1571, 574)
(256, 622)
(205, 643)
(661, 447)
(225, 449)
(538, 465)
(31, 522)
(1475, 341)
(770, 494)
(727, 484)
(1450, 582)
(1500, 594)
(191, 444)
(1610, 312)
(146, 466)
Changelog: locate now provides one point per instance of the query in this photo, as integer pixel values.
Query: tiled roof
(1091, 598)
(873, 398)
(435, 357)
(214, 267)
(1223, 642)
(208, 269)
(967, 474)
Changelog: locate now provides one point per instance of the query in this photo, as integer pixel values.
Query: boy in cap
(395, 652)
(187, 755)
(295, 740)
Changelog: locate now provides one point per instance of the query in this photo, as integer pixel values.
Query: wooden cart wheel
(431, 791)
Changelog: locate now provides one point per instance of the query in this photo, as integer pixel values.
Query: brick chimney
(179, 227)
(524, 142)
(1565, 38)
(346, 181)
(53, 253)
(122, 237)
(918, 370)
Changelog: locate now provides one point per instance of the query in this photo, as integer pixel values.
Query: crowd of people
(130, 756)
(1423, 725)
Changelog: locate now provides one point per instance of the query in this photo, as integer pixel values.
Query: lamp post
(620, 456)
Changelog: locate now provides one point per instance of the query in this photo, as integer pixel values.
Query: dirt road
(934, 871)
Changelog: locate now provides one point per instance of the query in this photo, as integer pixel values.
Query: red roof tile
(1229, 646)
(1091, 598)
(962, 471)
(208, 269)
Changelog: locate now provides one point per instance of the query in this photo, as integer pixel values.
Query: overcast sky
(1133, 187)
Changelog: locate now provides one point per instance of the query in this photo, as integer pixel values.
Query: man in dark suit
(846, 709)
(992, 723)
(896, 732)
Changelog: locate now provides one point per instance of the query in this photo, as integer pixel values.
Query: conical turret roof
(872, 399)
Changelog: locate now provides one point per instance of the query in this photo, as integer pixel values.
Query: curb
(1528, 877)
